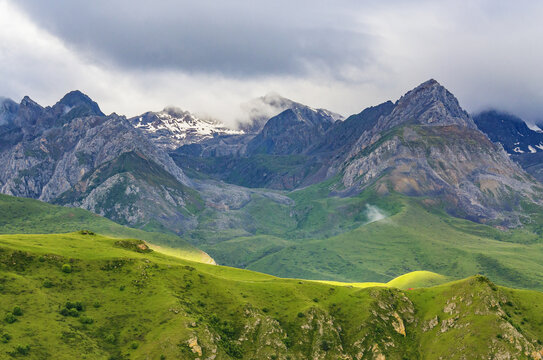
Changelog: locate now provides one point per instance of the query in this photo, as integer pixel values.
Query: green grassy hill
(28, 216)
(409, 281)
(77, 296)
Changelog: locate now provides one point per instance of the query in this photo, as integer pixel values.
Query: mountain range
(302, 193)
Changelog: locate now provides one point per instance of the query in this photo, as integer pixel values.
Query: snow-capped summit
(174, 127)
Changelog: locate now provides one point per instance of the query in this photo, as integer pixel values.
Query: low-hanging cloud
(374, 213)
(211, 56)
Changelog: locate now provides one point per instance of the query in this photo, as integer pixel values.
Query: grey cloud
(234, 38)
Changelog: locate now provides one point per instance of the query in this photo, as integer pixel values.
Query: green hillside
(409, 281)
(77, 296)
(410, 234)
(28, 216)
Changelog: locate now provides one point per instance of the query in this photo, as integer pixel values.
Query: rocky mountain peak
(77, 100)
(29, 103)
(292, 131)
(429, 104)
(261, 109)
(173, 127)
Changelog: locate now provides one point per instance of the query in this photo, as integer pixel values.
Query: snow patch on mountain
(173, 127)
(534, 127)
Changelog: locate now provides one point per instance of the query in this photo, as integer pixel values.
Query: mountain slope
(343, 134)
(78, 296)
(416, 237)
(421, 163)
(28, 216)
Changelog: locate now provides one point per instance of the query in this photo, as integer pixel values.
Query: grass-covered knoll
(412, 280)
(91, 297)
(417, 279)
(21, 215)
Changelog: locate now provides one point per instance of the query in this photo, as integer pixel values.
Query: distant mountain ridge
(258, 111)
(524, 144)
(384, 142)
(510, 131)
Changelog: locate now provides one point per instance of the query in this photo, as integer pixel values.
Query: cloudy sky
(211, 56)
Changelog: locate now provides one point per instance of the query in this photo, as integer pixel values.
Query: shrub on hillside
(325, 346)
(10, 318)
(288, 342)
(110, 338)
(86, 320)
(66, 268)
(78, 305)
(17, 311)
(20, 350)
(72, 309)
(5, 338)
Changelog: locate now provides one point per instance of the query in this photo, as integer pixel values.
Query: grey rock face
(95, 162)
(428, 146)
